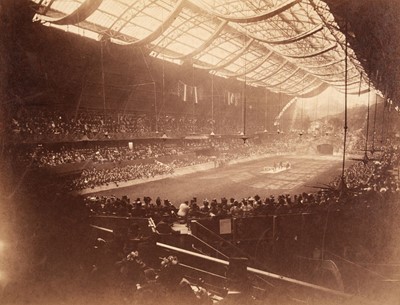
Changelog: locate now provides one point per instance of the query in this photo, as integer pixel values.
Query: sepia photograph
(200, 152)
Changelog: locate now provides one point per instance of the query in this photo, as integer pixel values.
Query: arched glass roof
(289, 46)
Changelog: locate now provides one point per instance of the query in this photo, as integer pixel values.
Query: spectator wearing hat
(183, 212)
(205, 209)
(247, 206)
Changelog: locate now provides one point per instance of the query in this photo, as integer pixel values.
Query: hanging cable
(301, 118)
(266, 111)
(388, 123)
(244, 106)
(163, 77)
(103, 76)
(367, 133)
(244, 110)
(345, 105)
(374, 130)
(383, 116)
(193, 95)
(154, 87)
(212, 104)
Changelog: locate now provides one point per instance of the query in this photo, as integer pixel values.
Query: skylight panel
(113, 7)
(210, 59)
(102, 19)
(135, 31)
(190, 40)
(179, 48)
(66, 7)
(220, 52)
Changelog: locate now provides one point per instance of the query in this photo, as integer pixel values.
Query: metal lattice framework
(289, 46)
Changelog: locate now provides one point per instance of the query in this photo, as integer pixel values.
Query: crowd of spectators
(41, 156)
(365, 184)
(40, 124)
(369, 188)
(183, 156)
(90, 178)
(44, 124)
(125, 271)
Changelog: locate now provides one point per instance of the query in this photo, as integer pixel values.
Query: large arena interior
(202, 152)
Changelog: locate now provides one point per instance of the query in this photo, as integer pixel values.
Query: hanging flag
(200, 93)
(183, 91)
(228, 96)
(189, 94)
(196, 101)
(237, 98)
(233, 98)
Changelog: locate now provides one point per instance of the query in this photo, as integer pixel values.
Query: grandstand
(176, 151)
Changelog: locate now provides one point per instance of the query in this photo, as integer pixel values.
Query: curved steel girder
(338, 80)
(284, 80)
(257, 65)
(324, 65)
(355, 92)
(162, 27)
(272, 73)
(299, 81)
(226, 62)
(343, 85)
(332, 46)
(331, 74)
(269, 14)
(129, 7)
(205, 44)
(47, 7)
(80, 14)
(305, 88)
(291, 39)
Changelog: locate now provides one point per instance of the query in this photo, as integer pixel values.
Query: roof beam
(163, 26)
(306, 88)
(284, 80)
(257, 65)
(301, 79)
(323, 65)
(340, 85)
(327, 49)
(206, 43)
(126, 21)
(331, 74)
(263, 16)
(226, 62)
(272, 73)
(80, 14)
(290, 39)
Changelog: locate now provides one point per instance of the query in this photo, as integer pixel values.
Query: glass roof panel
(67, 6)
(296, 35)
(113, 7)
(101, 17)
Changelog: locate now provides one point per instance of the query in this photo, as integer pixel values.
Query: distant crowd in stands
(41, 156)
(114, 163)
(90, 178)
(39, 124)
(366, 185)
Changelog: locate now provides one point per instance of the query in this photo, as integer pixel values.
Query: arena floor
(240, 180)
